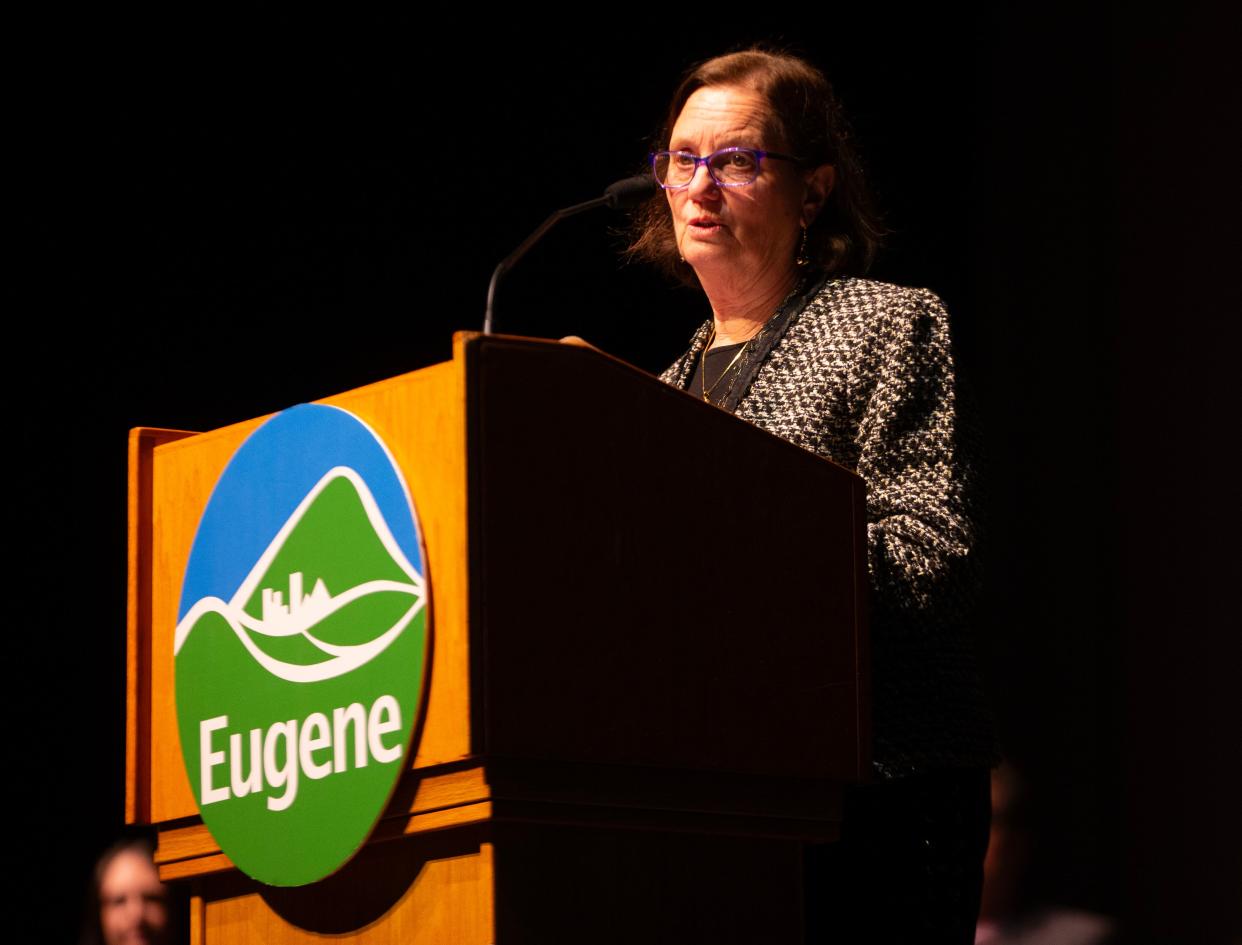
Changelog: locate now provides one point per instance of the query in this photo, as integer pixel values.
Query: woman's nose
(703, 185)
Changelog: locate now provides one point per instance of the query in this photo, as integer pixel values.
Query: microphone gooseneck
(622, 195)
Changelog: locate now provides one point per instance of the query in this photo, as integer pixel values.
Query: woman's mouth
(705, 226)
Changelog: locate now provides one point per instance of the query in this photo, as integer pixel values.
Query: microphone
(631, 192)
(621, 195)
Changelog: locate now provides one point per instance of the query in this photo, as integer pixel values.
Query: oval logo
(301, 645)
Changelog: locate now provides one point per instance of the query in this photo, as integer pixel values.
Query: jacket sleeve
(914, 455)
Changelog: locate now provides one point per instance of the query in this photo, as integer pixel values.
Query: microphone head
(629, 193)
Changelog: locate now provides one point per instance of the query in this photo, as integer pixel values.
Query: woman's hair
(805, 120)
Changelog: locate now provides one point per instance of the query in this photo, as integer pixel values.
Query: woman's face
(740, 233)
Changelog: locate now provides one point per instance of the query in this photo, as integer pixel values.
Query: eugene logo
(301, 645)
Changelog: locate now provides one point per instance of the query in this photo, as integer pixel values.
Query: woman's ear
(819, 184)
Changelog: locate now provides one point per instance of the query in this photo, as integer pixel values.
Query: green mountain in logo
(333, 541)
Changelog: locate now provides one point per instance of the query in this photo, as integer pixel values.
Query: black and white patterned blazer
(864, 376)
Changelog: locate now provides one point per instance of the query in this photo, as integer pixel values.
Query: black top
(719, 361)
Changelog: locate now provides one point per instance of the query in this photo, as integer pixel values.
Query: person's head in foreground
(131, 905)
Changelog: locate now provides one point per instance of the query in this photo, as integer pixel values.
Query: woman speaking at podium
(763, 206)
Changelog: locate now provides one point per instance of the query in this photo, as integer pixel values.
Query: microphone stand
(489, 319)
(624, 193)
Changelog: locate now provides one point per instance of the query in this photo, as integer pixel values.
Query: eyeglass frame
(705, 161)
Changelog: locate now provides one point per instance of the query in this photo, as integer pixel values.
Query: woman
(765, 209)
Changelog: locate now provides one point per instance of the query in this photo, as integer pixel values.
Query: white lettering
(208, 759)
(387, 708)
(251, 783)
(287, 776)
(309, 743)
(278, 757)
(353, 713)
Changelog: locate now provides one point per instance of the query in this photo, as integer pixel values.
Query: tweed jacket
(864, 376)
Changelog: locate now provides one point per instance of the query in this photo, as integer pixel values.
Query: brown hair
(805, 120)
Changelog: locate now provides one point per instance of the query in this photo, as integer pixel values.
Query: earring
(802, 258)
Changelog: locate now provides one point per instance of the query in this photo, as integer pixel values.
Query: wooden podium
(648, 675)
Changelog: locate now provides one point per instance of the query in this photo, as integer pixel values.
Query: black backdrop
(217, 219)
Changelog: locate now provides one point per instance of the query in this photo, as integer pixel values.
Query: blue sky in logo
(271, 472)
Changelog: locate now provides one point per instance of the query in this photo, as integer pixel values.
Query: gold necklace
(723, 374)
(798, 285)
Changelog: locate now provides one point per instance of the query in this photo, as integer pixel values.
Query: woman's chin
(704, 257)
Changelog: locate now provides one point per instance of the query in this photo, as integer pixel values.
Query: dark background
(218, 219)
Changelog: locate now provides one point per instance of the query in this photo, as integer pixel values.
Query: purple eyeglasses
(729, 167)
